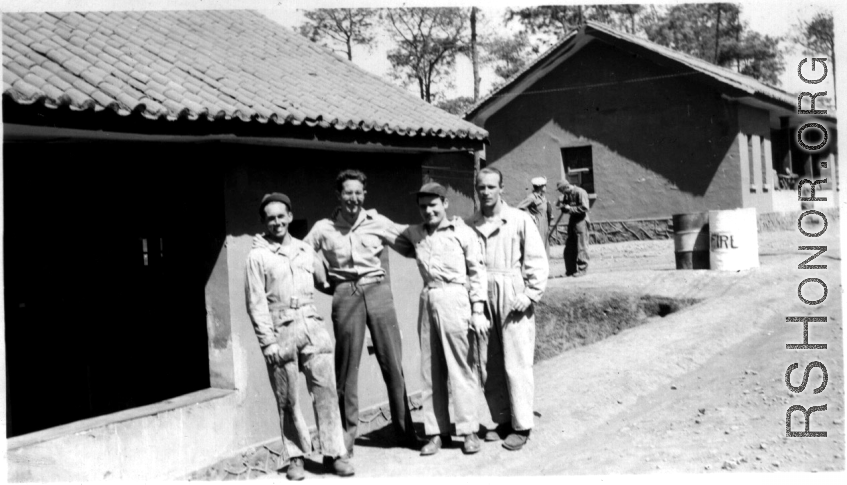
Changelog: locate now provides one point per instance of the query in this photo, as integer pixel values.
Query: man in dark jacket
(574, 202)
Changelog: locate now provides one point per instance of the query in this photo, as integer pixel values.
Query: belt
(506, 271)
(293, 303)
(363, 281)
(443, 284)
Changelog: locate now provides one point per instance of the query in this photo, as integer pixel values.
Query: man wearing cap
(574, 202)
(517, 268)
(352, 241)
(451, 309)
(537, 205)
(282, 273)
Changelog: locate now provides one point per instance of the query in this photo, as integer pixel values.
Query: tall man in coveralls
(574, 202)
(351, 241)
(450, 262)
(281, 275)
(517, 268)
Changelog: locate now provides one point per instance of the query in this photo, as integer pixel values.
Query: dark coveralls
(576, 244)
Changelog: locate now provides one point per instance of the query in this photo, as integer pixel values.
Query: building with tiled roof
(221, 65)
(137, 146)
(649, 132)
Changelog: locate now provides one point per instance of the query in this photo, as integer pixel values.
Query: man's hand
(272, 354)
(480, 324)
(521, 303)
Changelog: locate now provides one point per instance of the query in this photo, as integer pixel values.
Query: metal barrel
(733, 239)
(691, 240)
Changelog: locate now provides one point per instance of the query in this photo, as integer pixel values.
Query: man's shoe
(516, 440)
(580, 274)
(432, 446)
(342, 467)
(472, 444)
(296, 469)
(497, 433)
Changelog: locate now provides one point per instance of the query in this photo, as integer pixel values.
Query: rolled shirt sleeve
(535, 266)
(391, 233)
(257, 302)
(404, 242)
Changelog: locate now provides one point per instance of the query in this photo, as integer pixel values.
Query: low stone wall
(784, 221)
(619, 231)
(654, 229)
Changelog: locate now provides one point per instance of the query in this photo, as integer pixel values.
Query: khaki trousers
(446, 360)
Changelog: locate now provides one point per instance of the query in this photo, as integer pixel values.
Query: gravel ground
(700, 390)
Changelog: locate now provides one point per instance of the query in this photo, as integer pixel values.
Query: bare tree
(339, 28)
(817, 36)
(427, 41)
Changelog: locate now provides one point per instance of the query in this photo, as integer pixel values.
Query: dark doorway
(108, 247)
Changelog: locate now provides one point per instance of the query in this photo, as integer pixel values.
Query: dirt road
(700, 390)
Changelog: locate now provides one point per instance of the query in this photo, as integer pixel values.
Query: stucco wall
(308, 177)
(757, 187)
(192, 431)
(661, 146)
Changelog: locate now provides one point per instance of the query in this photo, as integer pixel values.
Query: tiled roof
(591, 28)
(212, 64)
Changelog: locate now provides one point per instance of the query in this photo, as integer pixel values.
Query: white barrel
(733, 239)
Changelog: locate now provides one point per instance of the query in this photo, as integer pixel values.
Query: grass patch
(566, 319)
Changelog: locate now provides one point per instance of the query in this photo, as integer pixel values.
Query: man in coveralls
(282, 273)
(574, 202)
(537, 205)
(517, 269)
(351, 241)
(450, 261)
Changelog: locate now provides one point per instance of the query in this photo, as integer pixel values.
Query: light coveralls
(280, 286)
(450, 262)
(541, 212)
(516, 263)
(576, 244)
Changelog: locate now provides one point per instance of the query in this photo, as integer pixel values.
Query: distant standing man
(351, 242)
(574, 202)
(449, 259)
(537, 205)
(517, 269)
(282, 273)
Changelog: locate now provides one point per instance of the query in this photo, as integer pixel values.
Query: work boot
(296, 469)
(341, 466)
(516, 440)
(497, 433)
(472, 444)
(432, 446)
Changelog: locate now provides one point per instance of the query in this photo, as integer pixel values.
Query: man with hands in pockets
(517, 268)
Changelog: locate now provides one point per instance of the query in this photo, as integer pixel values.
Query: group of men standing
(573, 201)
(481, 279)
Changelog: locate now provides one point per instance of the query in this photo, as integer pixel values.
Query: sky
(772, 17)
